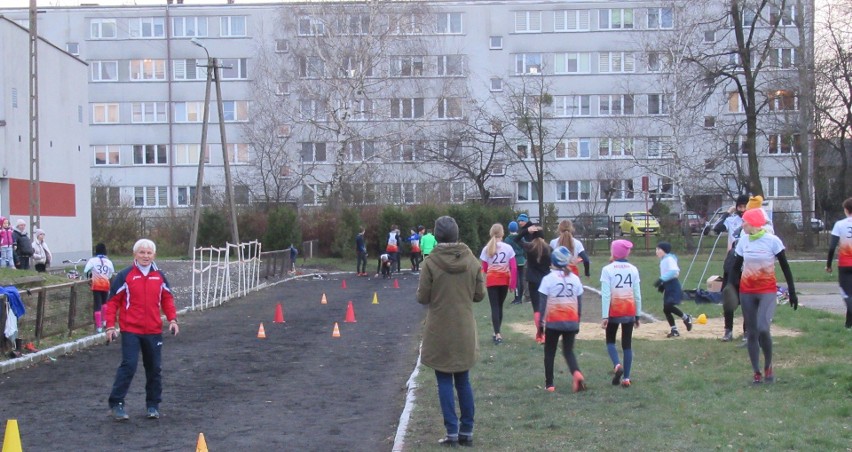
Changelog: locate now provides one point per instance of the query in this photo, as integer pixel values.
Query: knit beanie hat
(755, 217)
(446, 230)
(742, 200)
(523, 217)
(20, 222)
(665, 246)
(620, 249)
(39, 231)
(100, 248)
(513, 226)
(755, 202)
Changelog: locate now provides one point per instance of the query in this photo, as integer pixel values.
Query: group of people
(420, 244)
(18, 250)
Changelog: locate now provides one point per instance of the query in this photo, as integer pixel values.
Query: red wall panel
(57, 199)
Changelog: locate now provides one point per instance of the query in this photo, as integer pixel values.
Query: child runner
(498, 263)
(538, 266)
(566, 239)
(841, 239)
(385, 266)
(756, 253)
(414, 242)
(561, 304)
(669, 286)
(99, 270)
(7, 244)
(621, 303)
(515, 241)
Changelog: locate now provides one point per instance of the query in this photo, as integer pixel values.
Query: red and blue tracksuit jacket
(138, 300)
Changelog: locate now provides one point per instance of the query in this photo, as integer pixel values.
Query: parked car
(795, 218)
(592, 225)
(694, 221)
(713, 219)
(639, 223)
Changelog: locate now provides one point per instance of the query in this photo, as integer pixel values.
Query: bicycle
(73, 273)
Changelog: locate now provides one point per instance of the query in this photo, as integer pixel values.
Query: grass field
(687, 394)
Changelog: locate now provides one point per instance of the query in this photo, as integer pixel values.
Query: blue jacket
(15, 301)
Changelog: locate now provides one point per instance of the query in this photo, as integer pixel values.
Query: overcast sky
(25, 3)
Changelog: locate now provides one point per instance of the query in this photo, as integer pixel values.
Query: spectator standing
(841, 240)
(732, 223)
(23, 245)
(514, 240)
(360, 254)
(7, 244)
(99, 270)
(451, 280)
(621, 303)
(41, 252)
(141, 326)
(427, 242)
(294, 253)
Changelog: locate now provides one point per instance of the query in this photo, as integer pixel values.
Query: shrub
(213, 228)
(282, 229)
(348, 225)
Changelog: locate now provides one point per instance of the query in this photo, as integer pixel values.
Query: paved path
(822, 295)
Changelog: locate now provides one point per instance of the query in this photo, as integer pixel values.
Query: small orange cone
(261, 333)
(396, 284)
(336, 332)
(201, 445)
(279, 314)
(323, 300)
(343, 285)
(375, 298)
(12, 439)
(350, 313)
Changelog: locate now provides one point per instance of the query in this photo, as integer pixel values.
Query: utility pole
(199, 182)
(35, 195)
(229, 186)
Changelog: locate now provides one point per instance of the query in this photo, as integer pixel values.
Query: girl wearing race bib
(621, 303)
(841, 239)
(498, 264)
(99, 270)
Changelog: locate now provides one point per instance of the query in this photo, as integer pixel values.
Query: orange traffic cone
(336, 332)
(261, 333)
(396, 284)
(350, 313)
(323, 300)
(343, 284)
(201, 445)
(279, 314)
(12, 439)
(375, 298)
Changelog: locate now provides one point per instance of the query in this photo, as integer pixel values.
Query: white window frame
(407, 66)
(527, 21)
(574, 149)
(312, 109)
(495, 42)
(318, 151)
(615, 147)
(526, 62)
(571, 20)
(151, 196)
(188, 69)
(496, 84)
(660, 18)
(582, 63)
(229, 26)
(148, 112)
(450, 65)
(607, 19)
(141, 152)
(574, 190)
(449, 23)
(623, 188)
(526, 191)
(235, 110)
(99, 29)
(407, 108)
(147, 70)
(314, 194)
(99, 68)
(735, 104)
(189, 27)
(616, 105)
(187, 153)
(311, 26)
(658, 104)
(773, 187)
(185, 111)
(185, 196)
(233, 68)
(776, 143)
(450, 108)
(110, 153)
(109, 112)
(311, 67)
(147, 28)
(783, 58)
(616, 62)
(238, 153)
(73, 48)
(658, 147)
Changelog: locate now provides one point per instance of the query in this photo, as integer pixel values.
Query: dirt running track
(298, 389)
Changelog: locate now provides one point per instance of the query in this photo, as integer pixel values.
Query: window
(784, 17)
(238, 153)
(282, 46)
(450, 108)
(187, 154)
(568, 106)
(406, 151)
(659, 146)
(616, 62)
(495, 42)
(147, 112)
(573, 190)
(282, 88)
(450, 148)
(186, 196)
(616, 189)
(572, 63)
(235, 110)
(571, 20)
(574, 148)
(189, 111)
(354, 24)
(784, 143)
(710, 36)
(73, 48)
(147, 27)
(311, 67)
(351, 67)
(189, 69)
(525, 154)
(150, 196)
(528, 63)
(496, 84)
(737, 144)
(658, 61)
(615, 147)
(313, 109)
(450, 65)
(497, 169)
(107, 155)
(406, 66)
(150, 154)
(105, 114)
(232, 26)
(527, 191)
(359, 109)
(734, 104)
(748, 17)
(141, 70)
(283, 131)
(313, 152)
(189, 27)
(311, 26)
(709, 122)
(663, 189)
(106, 196)
(104, 71)
(314, 194)
(782, 58)
(407, 108)
(783, 100)
(616, 105)
(233, 69)
(781, 187)
(657, 104)
(527, 21)
(102, 29)
(361, 150)
(615, 19)
(448, 23)
(660, 18)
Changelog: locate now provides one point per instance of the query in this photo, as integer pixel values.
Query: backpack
(25, 245)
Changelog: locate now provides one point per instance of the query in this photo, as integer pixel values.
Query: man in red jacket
(137, 294)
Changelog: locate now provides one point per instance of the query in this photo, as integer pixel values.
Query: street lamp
(212, 74)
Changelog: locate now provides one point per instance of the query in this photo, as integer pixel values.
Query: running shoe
(625, 383)
(758, 378)
(118, 412)
(768, 375)
(673, 333)
(688, 322)
(619, 371)
(579, 382)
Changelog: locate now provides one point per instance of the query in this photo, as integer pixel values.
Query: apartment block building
(414, 102)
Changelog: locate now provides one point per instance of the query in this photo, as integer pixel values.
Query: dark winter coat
(451, 280)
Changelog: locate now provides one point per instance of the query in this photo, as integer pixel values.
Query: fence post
(40, 308)
(72, 309)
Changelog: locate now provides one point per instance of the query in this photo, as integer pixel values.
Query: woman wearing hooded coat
(451, 280)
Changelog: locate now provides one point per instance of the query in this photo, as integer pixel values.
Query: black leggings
(844, 275)
(551, 343)
(626, 334)
(98, 299)
(496, 297)
(668, 310)
(534, 299)
(415, 259)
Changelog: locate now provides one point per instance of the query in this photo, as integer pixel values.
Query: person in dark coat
(451, 280)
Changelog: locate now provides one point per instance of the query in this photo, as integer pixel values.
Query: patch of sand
(713, 329)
